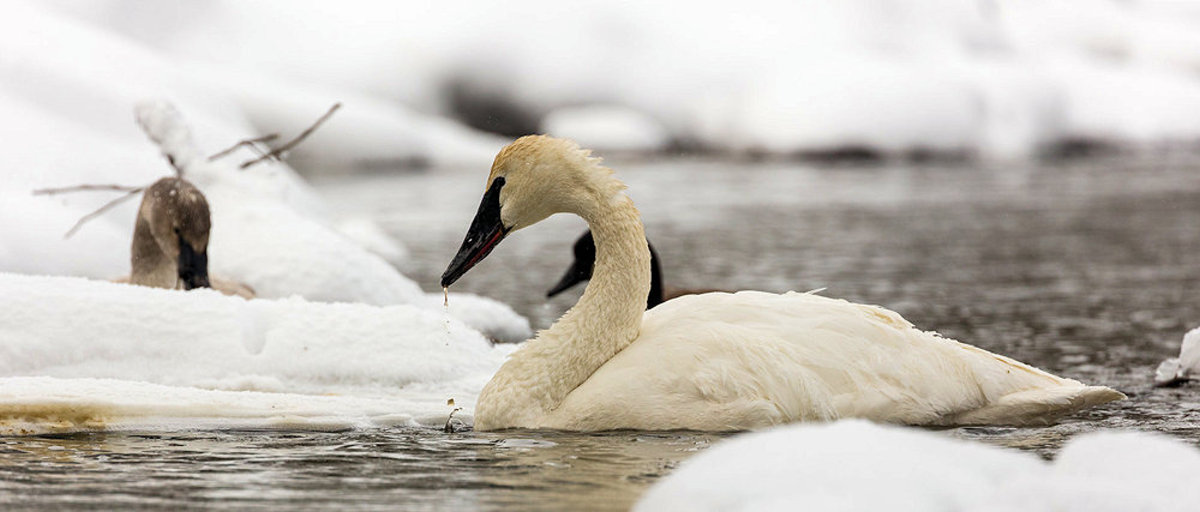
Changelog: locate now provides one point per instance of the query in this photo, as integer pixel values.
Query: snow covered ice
(137, 357)
(1183, 368)
(853, 465)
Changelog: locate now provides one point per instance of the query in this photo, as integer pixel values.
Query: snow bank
(262, 237)
(68, 121)
(1183, 368)
(397, 362)
(855, 465)
(1001, 79)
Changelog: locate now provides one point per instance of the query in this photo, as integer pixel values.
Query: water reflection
(421, 468)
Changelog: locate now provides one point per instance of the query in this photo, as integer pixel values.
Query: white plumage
(720, 361)
(723, 361)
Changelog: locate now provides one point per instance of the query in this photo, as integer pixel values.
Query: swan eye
(176, 230)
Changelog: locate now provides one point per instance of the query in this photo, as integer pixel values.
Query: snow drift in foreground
(1004, 79)
(1183, 368)
(80, 354)
(853, 465)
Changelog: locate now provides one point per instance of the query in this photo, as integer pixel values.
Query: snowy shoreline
(80, 354)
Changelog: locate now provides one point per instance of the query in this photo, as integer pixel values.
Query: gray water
(1086, 268)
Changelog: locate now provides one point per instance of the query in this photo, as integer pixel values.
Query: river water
(1088, 268)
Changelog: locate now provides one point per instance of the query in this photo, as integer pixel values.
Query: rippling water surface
(1086, 268)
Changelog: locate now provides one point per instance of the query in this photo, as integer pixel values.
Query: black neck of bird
(656, 287)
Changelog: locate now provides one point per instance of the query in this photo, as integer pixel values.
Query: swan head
(178, 217)
(533, 178)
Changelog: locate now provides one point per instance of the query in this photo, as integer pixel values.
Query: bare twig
(277, 153)
(252, 143)
(107, 206)
(83, 188)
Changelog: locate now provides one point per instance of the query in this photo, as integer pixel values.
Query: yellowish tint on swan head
(546, 175)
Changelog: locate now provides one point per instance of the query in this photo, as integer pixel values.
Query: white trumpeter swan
(170, 240)
(718, 361)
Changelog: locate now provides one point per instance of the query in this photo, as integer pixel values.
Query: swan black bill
(193, 267)
(485, 233)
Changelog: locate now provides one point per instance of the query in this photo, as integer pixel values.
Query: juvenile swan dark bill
(485, 233)
(193, 266)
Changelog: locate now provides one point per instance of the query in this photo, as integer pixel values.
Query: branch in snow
(128, 193)
(278, 153)
(166, 128)
(83, 188)
(251, 143)
(164, 125)
(107, 206)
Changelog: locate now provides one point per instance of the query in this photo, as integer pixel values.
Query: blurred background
(439, 84)
(764, 115)
(1021, 175)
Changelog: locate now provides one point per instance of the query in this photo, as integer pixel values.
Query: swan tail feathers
(1038, 406)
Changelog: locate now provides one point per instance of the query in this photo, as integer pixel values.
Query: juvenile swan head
(585, 260)
(170, 238)
(533, 178)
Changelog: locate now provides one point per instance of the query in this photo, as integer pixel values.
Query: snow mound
(69, 123)
(1183, 368)
(65, 329)
(494, 319)
(855, 465)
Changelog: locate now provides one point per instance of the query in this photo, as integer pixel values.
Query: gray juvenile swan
(170, 240)
(718, 361)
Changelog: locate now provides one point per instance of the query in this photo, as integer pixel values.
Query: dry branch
(165, 127)
(251, 143)
(277, 153)
(107, 206)
(82, 188)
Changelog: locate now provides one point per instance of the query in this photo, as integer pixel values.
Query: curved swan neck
(614, 299)
(606, 319)
(150, 265)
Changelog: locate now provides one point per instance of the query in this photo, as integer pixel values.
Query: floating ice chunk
(854, 465)
(1183, 368)
(844, 466)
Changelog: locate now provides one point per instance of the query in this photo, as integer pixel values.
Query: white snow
(1186, 366)
(855, 465)
(69, 120)
(136, 353)
(1001, 79)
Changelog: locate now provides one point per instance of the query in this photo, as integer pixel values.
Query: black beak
(193, 267)
(578, 273)
(485, 233)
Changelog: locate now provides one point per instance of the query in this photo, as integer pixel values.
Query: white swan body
(723, 361)
(719, 361)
